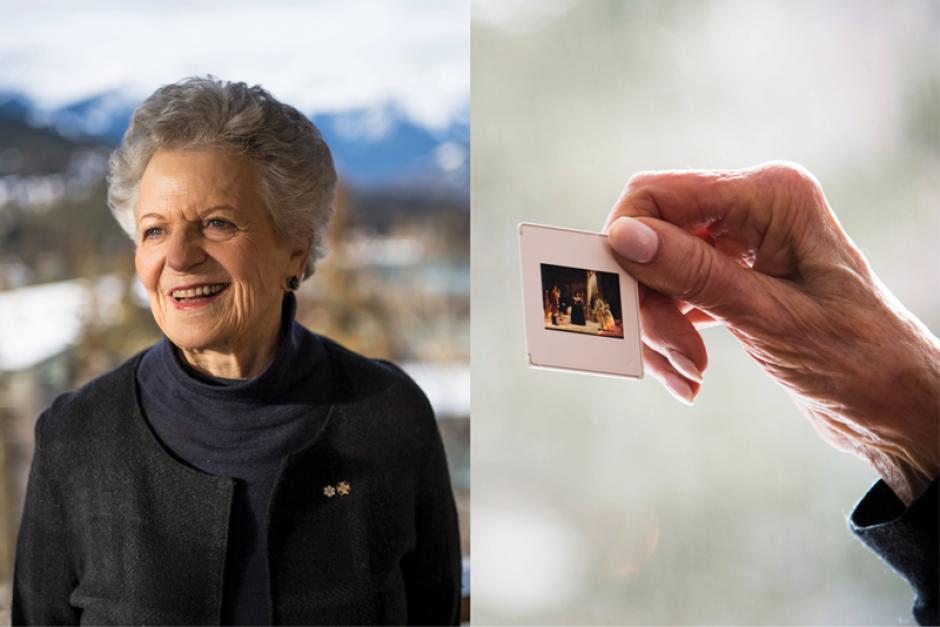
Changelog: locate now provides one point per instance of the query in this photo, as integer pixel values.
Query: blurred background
(388, 85)
(602, 501)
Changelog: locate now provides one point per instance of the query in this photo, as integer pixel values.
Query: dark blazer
(115, 530)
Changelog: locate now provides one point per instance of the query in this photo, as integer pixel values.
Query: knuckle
(637, 197)
(791, 176)
(638, 181)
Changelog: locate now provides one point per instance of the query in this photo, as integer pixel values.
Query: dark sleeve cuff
(905, 538)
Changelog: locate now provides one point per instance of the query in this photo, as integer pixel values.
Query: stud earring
(293, 283)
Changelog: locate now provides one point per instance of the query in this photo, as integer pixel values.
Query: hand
(760, 251)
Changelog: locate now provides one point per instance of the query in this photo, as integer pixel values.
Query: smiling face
(207, 251)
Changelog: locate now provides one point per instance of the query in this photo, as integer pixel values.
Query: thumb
(676, 263)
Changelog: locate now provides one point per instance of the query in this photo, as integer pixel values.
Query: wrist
(905, 481)
(905, 449)
(898, 403)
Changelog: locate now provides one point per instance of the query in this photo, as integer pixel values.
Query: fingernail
(679, 388)
(633, 240)
(685, 365)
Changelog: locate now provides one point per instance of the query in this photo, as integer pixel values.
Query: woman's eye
(219, 224)
(152, 232)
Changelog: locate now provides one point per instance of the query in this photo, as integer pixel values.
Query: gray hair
(295, 169)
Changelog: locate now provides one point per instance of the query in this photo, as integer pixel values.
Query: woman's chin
(193, 340)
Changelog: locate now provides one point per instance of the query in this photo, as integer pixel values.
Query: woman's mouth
(197, 296)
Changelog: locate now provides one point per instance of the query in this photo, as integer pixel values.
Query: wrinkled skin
(200, 219)
(760, 251)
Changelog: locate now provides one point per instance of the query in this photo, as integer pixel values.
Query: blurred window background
(387, 83)
(602, 501)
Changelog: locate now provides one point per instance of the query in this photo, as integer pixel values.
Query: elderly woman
(244, 470)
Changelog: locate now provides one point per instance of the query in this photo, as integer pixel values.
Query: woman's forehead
(194, 181)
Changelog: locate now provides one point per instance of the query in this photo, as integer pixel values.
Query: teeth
(202, 290)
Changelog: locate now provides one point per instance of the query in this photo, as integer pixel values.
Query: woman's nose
(185, 250)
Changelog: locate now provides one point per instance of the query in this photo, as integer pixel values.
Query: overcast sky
(318, 55)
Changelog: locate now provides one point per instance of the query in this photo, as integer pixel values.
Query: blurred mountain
(383, 147)
(104, 117)
(15, 106)
(378, 147)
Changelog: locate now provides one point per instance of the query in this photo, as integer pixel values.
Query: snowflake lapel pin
(342, 488)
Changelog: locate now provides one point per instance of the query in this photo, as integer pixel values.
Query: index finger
(740, 212)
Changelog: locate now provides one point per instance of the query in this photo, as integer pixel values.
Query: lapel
(153, 530)
(338, 522)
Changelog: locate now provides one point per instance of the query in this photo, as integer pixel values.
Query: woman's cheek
(241, 306)
(149, 265)
(148, 268)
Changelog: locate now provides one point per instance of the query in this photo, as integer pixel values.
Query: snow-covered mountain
(375, 147)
